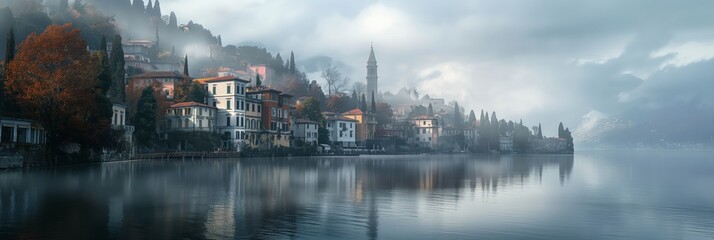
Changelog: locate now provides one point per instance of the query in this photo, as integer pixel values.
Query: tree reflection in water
(328, 197)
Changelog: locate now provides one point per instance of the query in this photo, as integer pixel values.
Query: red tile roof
(221, 79)
(190, 104)
(355, 111)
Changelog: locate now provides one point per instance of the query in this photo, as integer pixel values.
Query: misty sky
(544, 61)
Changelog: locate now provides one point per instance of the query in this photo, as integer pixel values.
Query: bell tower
(372, 73)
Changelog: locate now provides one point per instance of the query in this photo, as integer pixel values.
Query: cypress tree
(279, 60)
(561, 131)
(117, 90)
(292, 63)
(458, 121)
(355, 99)
(149, 11)
(157, 9)
(257, 80)
(145, 119)
(363, 105)
(540, 132)
(430, 110)
(220, 41)
(472, 118)
(185, 65)
(105, 72)
(10, 46)
(173, 22)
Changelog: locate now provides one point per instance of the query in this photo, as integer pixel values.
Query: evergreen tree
(149, 11)
(173, 22)
(185, 65)
(220, 41)
(363, 104)
(472, 118)
(374, 105)
(10, 46)
(430, 111)
(157, 9)
(105, 71)
(258, 82)
(278, 60)
(561, 131)
(481, 118)
(355, 99)
(486, 129)
(145, 119)
(118, 91)
(138, 7)
(540, 132)
(458, 119)
(291, 67)
(196, 93)
(494, 131)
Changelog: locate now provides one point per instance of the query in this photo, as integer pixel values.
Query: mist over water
(591, 195)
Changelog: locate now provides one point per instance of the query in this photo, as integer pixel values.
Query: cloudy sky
(543, 61)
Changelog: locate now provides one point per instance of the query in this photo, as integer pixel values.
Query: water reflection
(255, 198)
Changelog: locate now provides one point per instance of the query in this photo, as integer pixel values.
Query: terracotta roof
(220, 79)
(159, 74)
(341, 118)
(305, 121)
(190, 104)
(355, 111)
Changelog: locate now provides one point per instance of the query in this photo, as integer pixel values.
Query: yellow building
(366, 124)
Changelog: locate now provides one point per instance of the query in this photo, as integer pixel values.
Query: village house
(306, 131)
(167, 80)
(341, 130)
(366, 125)
(228, 95)
(275, 117)
(427, 131)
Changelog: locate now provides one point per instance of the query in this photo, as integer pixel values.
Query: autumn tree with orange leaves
(55, 80)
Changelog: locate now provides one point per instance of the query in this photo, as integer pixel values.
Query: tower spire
(372, 85)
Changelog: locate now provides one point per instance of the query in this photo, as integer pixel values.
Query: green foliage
(417, 111)
(385, 115)
(185, 65)
(323, 135)
(105, 68)
(430, 110)
(196, 93)
(145, 119)
(363, 104)
(310, 109)
(117, 91)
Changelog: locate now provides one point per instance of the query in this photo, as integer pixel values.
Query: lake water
(589, 195)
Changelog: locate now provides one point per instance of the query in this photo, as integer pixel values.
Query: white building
(427, 131)
(306, 131)
(342, 131)
(20, 131)
(227, 94)
(119, 122)
(190, 117)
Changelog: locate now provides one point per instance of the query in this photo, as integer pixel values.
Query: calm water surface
(591, 195)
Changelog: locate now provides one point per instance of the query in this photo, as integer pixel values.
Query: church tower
(372, 73)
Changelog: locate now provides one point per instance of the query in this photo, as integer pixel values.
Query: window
(423, 130)
(241, 122)
(228, 104)
(185, 123)
(260, 108)
(252, 107)
(228, 120)
(214, 103)
(272, 112)
(228, 89)
(227, 134)
(200, 123)
(350, 133)
(214, 89)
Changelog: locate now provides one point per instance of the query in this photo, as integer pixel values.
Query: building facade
(190, 117)
(366, 125)
(342, 131)
(275, 117)
(167, 81)
(306, 131)
(427, 131)
(228, 95)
